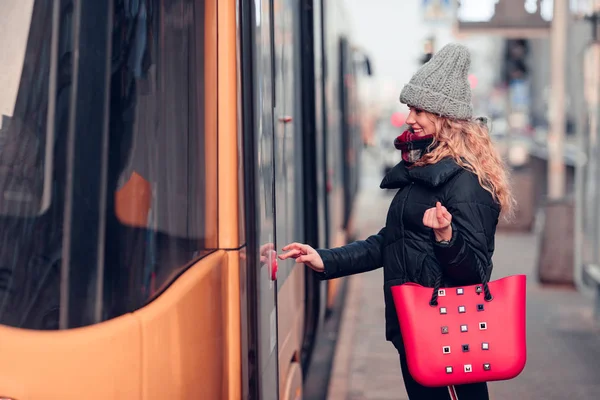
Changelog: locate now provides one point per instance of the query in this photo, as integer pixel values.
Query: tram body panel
(229, 197)
(315, 174)
(227, 126)
(56, 364)
(190, 335)
(211, 125)
(336, 28)
(180, 346)
(290, 302)
(335, 169)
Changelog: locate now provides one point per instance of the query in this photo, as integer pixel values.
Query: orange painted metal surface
(210, 94)
(180, 346)
(227, 114)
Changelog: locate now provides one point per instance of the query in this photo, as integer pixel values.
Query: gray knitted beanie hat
(441, 86)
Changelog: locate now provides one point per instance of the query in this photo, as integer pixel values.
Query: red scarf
(412, 146)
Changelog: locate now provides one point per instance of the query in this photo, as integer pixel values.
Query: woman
(452, 186)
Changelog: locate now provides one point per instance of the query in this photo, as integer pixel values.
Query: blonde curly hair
(469, 144)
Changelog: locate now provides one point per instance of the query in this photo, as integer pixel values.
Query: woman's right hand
(303, 253)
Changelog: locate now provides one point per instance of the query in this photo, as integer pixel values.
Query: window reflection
(158, 141)
(157, 219)
(32, 182)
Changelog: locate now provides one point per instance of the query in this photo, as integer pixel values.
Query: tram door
(277, 181)
(263, 374)
(288, 190)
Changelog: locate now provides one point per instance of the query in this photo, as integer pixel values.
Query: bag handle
(484, 281)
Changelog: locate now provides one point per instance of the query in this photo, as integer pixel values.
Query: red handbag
(464, 334)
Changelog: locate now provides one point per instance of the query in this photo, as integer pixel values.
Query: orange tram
(154, 155)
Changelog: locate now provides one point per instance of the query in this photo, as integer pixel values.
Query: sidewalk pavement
(563, 339)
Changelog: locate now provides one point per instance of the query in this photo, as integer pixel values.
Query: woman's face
(421, 122)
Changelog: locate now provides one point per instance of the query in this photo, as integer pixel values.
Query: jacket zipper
(402, 230)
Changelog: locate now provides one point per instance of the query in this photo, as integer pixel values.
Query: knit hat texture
(441, 85)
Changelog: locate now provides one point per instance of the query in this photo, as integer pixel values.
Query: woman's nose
(410, 120)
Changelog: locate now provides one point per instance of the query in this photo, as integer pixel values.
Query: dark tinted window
(161, 162)
(160, 141)
(33, 134)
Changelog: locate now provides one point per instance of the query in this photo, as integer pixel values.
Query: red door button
(274, 267)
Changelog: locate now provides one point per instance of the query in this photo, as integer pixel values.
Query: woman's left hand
(439, 219)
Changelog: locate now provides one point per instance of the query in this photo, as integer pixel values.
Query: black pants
(416, 391)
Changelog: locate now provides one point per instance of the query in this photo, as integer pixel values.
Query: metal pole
(556, 166)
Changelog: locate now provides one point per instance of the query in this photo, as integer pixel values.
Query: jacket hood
(432, 175)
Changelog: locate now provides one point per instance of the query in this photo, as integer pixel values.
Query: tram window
(32, 159)
(162, 223)
(161, 166)
(24, 79)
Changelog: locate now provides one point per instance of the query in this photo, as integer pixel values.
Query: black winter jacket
(407, 249)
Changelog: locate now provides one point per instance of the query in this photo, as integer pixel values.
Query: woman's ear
(484, 121)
